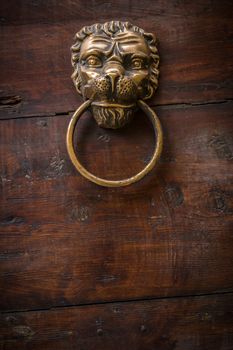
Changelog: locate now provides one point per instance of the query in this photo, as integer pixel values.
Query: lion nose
(114, 72)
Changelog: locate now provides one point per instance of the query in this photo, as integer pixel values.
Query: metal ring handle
(115, 183)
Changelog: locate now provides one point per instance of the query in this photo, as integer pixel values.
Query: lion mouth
(112, 115)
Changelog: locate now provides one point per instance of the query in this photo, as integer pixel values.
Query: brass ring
(115, 183)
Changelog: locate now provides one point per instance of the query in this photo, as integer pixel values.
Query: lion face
(114, 71)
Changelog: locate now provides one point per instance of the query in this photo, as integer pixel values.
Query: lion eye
(137, 63)
(93, 61)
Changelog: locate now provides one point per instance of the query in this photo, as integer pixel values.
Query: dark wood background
(148, 266)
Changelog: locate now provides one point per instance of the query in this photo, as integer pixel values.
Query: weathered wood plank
(184, 323)
(64, 10)
(195, 46)
(67, 241)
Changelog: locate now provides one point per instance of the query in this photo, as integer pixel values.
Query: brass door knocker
(115, 70)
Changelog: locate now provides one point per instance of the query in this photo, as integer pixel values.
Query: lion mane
(109, 29)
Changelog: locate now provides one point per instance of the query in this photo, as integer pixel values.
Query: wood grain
(195, 47)
(66, 241)
(84, 267)
(185, 323)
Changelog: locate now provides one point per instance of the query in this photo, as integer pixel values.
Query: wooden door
(147, 266)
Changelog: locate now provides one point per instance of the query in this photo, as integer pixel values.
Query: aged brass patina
(115, 69)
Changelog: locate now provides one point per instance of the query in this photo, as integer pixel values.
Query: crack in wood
(10, 101)
(55, 307)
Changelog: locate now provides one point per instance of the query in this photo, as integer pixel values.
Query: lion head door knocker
(115, 70)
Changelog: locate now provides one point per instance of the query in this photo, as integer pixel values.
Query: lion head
(115, 64)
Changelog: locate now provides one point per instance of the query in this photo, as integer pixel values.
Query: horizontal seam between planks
(179, 105)
(55, 307)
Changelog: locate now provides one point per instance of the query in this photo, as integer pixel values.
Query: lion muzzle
(120, 89)
(114, 101)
